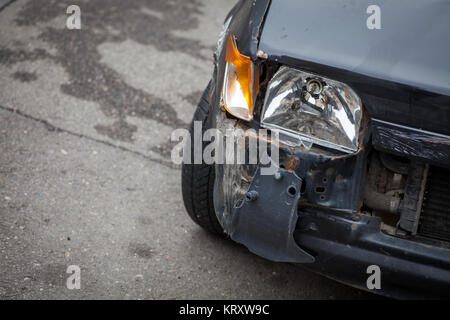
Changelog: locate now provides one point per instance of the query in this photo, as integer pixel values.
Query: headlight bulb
(314, 87)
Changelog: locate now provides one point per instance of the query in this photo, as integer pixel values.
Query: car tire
(197, 180)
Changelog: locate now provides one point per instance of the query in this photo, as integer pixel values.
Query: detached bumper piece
(266, 218)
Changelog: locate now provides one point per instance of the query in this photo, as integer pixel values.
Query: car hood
(412, 47)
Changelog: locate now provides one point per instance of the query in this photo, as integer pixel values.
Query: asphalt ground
(85, 171)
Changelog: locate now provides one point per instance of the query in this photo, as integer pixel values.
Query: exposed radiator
(435, 216)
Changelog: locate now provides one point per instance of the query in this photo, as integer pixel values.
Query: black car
(356, 100)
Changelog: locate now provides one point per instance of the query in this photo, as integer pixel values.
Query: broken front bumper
(266, 217)
(345, 245)
(309, 212)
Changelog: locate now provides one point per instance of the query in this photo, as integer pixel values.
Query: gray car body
(412, 47)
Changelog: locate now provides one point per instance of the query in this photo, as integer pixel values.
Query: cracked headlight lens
(309, 108)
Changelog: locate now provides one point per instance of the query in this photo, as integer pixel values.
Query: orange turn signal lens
(240, 84)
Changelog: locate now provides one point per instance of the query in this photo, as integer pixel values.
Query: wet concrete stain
(10, 57)
(109, 21)
(165, 149)
(144, 220)
(119, 130)
(141, 250)
(24, 76)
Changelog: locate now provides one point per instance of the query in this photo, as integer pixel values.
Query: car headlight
(241, 83)
(314, 109)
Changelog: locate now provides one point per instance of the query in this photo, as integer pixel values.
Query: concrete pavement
(85, 171)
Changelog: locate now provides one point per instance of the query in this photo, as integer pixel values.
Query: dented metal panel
(246, 25)
(265, 220)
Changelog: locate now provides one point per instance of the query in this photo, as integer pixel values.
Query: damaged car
(360, 118)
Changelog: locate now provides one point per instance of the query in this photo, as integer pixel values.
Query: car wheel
(197, 180)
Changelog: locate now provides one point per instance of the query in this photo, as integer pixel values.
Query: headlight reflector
(241, 83)
(313, 108)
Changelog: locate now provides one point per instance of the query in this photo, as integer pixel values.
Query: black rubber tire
(197, 180)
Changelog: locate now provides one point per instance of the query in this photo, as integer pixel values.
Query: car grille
(435, 217)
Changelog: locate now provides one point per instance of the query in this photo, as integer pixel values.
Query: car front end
(360, 121)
